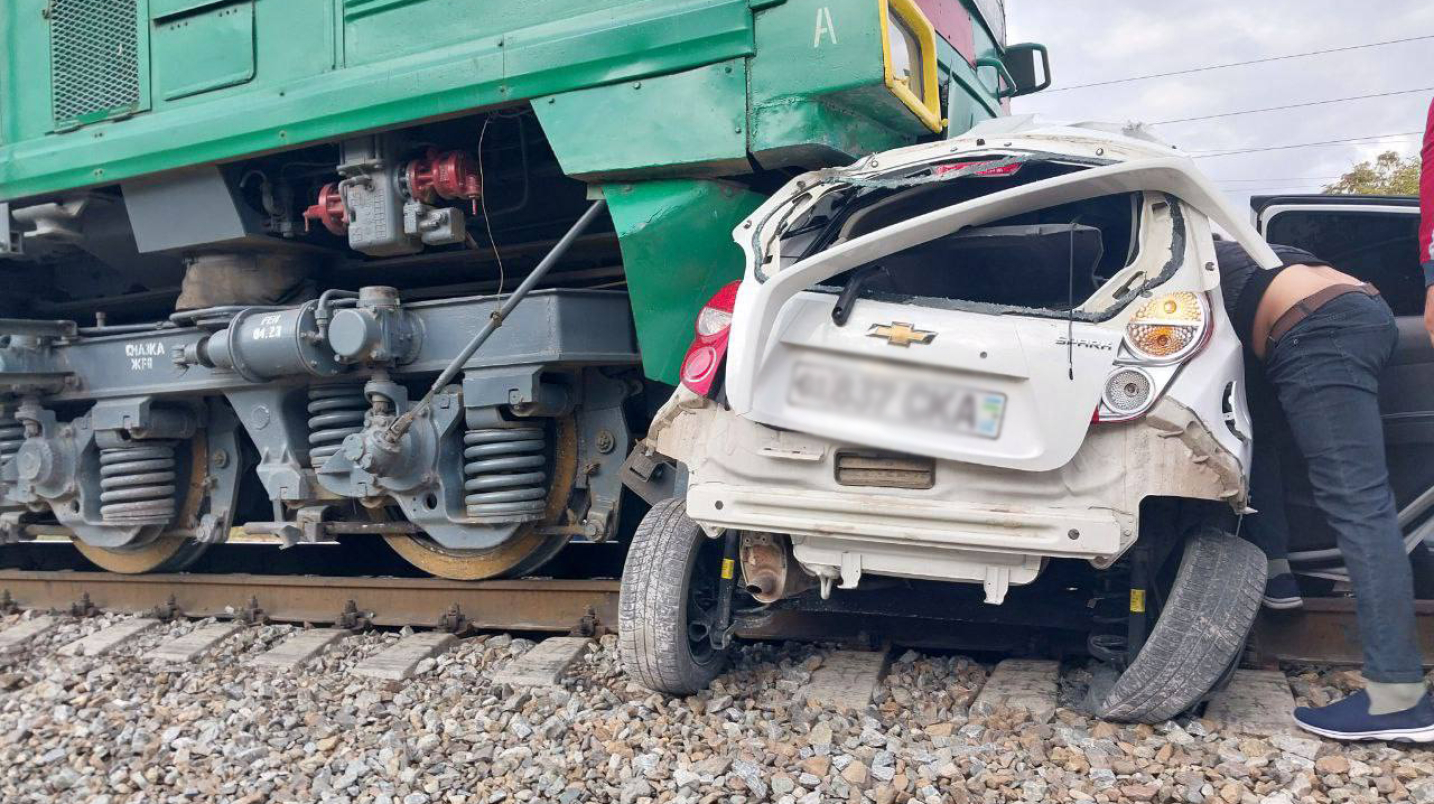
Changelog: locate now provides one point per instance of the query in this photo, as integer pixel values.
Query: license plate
(898, 399)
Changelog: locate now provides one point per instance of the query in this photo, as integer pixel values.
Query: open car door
(1376, 239)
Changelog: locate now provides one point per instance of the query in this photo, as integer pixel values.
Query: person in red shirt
(1426, 220)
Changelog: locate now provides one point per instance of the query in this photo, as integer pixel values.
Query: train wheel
(524, 552)
(1199, 635)
(164, 553)
(517, 556)
(668, 600)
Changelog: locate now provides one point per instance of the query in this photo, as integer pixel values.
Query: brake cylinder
(261, 345)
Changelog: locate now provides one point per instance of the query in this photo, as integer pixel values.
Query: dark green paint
(680, 233)
(701, 130)
(198, 47)
(665, 94)
(431, 63)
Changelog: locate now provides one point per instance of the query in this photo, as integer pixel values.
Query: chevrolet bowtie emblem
(899, 334)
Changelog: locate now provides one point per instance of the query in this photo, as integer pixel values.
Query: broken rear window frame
(926, 174)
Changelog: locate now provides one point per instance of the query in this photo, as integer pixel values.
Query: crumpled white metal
(990, 519)
(758, 302)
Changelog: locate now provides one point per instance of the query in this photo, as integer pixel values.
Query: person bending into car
(1323, 339)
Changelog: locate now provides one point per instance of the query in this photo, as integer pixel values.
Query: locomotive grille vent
(94, 59)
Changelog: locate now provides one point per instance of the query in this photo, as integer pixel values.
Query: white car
(974, 361)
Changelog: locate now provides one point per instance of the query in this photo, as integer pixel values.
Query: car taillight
(1165, 332)
(1128, 391)
(712, 321)
(703, 363)
(1168, 328)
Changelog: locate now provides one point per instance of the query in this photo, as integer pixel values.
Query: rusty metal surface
(530, 604)
(523, 605)
(1324, 631)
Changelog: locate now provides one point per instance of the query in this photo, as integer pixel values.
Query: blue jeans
(1269, 529)
(1325, 373)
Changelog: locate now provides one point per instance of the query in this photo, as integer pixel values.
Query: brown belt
(1302, 309)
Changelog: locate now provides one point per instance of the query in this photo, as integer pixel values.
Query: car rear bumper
(847, 534)
(934, 524)
(974, 523)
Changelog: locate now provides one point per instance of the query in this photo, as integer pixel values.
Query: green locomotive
(242, 238)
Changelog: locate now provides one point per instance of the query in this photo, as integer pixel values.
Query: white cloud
(1096, 41)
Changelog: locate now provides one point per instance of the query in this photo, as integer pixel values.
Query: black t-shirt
(1243, 282)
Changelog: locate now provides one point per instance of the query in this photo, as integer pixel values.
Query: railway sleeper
(1255, 703)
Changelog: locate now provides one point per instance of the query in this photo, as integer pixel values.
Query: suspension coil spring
(335, 413)
(1107, 640)
(505, 471)
(12, 435)
(137, 483)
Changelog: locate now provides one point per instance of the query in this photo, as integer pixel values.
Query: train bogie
(505, 465)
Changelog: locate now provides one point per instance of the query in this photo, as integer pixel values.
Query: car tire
(1199, 635)
(670, 567)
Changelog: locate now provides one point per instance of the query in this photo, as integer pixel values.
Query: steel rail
(583, 606)
(1323, 632)
(518, 605)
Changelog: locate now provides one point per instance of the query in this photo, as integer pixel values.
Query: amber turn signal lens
(1167, 327)
(1179, 307)
(1160, 340)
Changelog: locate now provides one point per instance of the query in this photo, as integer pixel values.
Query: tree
(1388, 174)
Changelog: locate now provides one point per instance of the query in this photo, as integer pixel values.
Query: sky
(1098, 40)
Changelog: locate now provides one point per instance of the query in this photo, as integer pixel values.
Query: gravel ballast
(117, 728)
